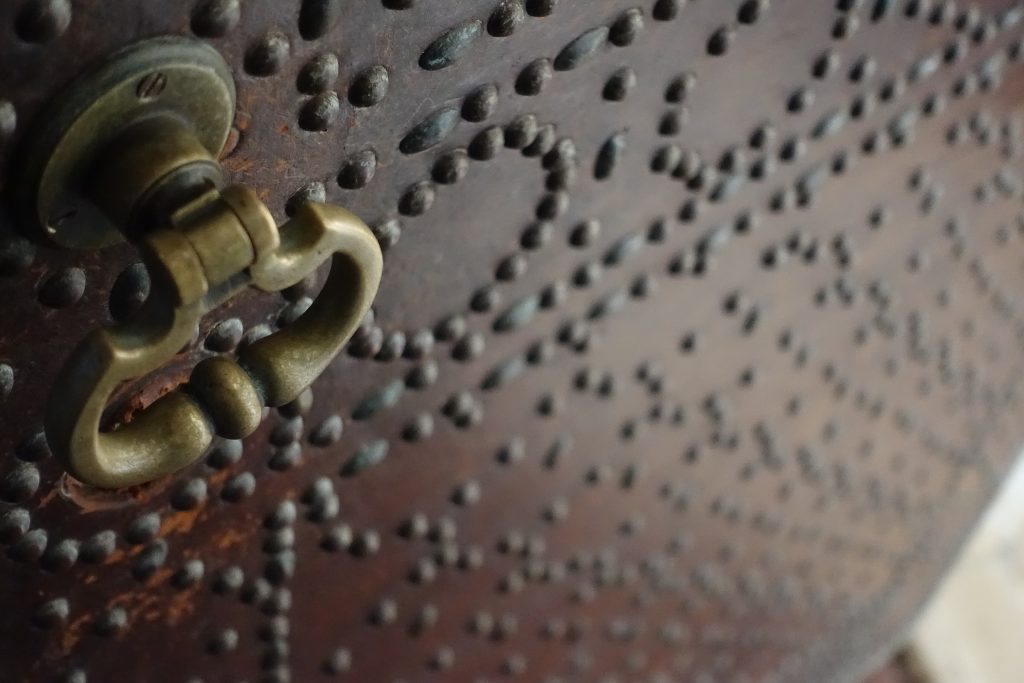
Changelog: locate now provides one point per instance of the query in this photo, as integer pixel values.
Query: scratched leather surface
(697, 353)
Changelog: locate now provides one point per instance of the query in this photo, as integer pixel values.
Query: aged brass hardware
(130, 152)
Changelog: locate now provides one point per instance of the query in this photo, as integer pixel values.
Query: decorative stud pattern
(695, 357)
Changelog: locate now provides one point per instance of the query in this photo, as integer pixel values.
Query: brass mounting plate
(174, 76)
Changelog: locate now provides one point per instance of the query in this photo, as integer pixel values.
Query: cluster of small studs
(655, 526)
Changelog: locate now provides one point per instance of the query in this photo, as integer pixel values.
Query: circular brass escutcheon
(165, 76)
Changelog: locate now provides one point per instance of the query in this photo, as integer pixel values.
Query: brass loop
(285, 363)
(222, 397)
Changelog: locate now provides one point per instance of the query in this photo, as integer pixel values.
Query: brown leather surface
(697, 357)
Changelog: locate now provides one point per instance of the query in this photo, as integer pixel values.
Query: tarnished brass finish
(171, 77)
(156, 180)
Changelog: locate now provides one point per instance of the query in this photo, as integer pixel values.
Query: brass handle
(222, 397)
(130, 152)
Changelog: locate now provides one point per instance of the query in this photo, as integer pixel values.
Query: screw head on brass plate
(164, 76)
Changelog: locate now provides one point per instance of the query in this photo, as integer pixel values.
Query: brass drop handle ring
(130, 152)
(223, 397)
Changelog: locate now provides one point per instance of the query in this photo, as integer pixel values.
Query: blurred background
(971, 631)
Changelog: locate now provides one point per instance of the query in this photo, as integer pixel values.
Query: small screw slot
(151, 86)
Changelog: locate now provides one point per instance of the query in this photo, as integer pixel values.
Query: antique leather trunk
(696, 353)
